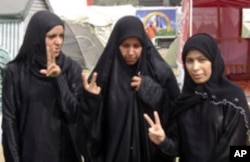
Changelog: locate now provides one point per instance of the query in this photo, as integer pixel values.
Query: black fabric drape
(119, 131)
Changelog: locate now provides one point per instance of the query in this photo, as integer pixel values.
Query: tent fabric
(16, 9)
(13, 9)
(81, 44)
(222, 19)
(221, 3)
(226, 31)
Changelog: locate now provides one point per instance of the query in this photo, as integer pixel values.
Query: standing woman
(212, 113)
(42, 91)
(134, 80)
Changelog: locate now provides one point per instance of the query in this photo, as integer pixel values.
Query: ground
(1, 154)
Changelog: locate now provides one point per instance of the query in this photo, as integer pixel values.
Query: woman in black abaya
(134, 80)
(212, 113)
(42, 97)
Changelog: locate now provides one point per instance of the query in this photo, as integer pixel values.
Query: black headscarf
(121, 31)
(33, 49)
(218, 87)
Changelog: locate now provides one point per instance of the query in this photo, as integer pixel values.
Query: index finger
(149, 120)
(84, 78)
(93, 78)
(50, 56)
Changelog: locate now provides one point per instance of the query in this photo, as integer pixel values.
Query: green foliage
(164, 32)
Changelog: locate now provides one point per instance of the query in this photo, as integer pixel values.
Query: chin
(130, 63)
(199, 81)
(57, 54)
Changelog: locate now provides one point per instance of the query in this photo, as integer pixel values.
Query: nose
(59, 40)
(131, 50)
(196, 65)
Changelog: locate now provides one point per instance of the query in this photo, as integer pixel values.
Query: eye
(189, 60)
(51, 36)
(203, 59)
(125, 45)
(136, 45)
(62, 36)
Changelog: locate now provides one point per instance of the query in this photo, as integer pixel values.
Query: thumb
(43, 71)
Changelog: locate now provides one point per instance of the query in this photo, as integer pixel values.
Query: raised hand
(136, 82)
(155, 131)
(91, 87)
(53, 70)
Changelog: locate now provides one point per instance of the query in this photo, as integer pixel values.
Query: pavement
(1, 154)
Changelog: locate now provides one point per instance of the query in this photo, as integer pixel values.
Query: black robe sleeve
(10, 137)
(150, 92)
(90, 104)
(70, 90)
(77, 105)
(233, 135)
(157, 94)
(170, 146)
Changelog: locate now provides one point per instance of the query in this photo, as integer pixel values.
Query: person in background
(151, 31)
(211, 114)
(134, 80)
(43, 96)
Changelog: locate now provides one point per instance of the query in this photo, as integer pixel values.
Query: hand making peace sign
(156, 132)
(53, 70)
(91, 87)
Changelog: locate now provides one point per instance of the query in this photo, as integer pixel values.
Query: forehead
(131, 40)
(194, 54)
(57, 28)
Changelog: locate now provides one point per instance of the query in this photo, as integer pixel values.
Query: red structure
(89, 2)
(223, 20)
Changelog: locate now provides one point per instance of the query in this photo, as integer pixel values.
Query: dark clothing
(119, 131)
(38, 113)
(4, 59)
(210, 117)
(206, 131)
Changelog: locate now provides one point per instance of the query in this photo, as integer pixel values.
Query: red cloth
(89, 2)
(151, 30)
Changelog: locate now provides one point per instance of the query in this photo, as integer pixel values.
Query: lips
(57, 51)
(197, 76)
(130, 60)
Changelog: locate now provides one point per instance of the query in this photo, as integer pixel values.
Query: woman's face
(54, 39)
(198, 66)
(131, 50)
